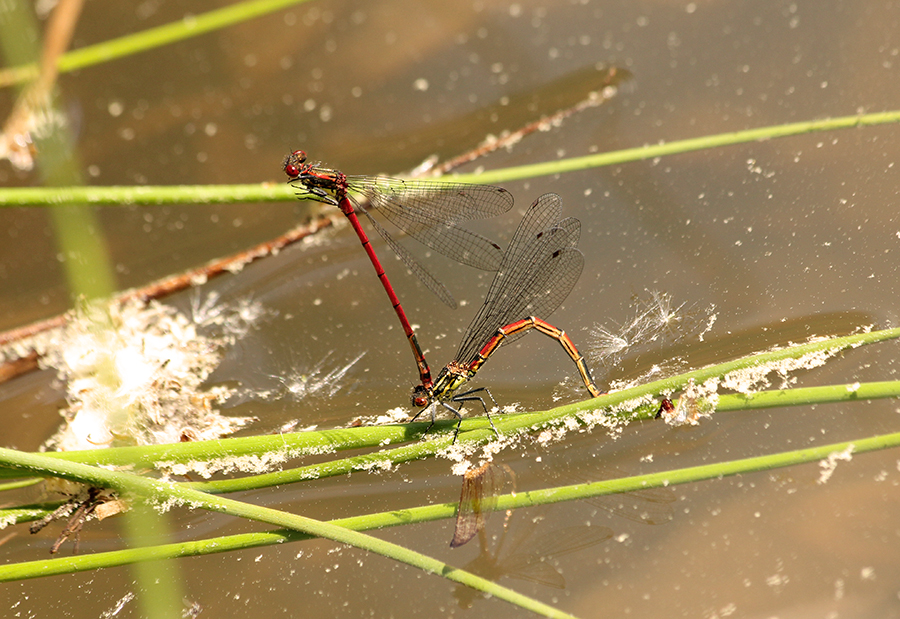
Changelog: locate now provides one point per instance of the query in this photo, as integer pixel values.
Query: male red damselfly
(427, 210)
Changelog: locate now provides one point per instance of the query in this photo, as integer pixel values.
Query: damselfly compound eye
(419, 397)
(293, 163)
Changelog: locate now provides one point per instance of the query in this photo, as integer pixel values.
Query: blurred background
(778, 240)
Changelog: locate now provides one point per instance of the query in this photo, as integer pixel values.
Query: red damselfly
(539, 269)
(428, 211)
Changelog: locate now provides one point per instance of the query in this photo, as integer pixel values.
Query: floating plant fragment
(135, 375)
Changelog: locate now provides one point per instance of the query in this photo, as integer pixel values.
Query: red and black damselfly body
(539, 269)
(428, 211)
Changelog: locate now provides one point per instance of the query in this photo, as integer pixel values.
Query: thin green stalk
(282, 446)
(223, 194)
(806, 396)
(27, 513)
(22, 483)
(511, 424)
(343, 466)
(478, 432)
(188, 27)
(683, 146)
(146, 195)
(675, 383)
(155, 491)
(67, 565)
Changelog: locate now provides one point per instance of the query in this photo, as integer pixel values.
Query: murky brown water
(786, 238)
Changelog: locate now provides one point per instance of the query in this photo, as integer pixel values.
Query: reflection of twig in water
(526, 558)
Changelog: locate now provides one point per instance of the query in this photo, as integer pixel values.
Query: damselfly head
(293, 163)
(420, 397)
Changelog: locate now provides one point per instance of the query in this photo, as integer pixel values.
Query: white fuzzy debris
(300, 386)
(492, 448)
(829, 464)
(14, 518)
(377, 465)
(394, 415)
(696, 401)
(655, 320)
(710, 321)
(777, 580)
(206, 468)
(459, 468)
(458, 451)
(754, 378)
(135, 373)
(253, 464)
(118, 607)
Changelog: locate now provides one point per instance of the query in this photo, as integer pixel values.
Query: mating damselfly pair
(533, 276)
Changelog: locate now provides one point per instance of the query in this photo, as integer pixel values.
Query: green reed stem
(153, 491)
(67, 565)
(267, 192)
(636, 402)
(128, 45)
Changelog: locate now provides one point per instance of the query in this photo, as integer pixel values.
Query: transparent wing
(424, 276)
(539, 270)
(431, 211)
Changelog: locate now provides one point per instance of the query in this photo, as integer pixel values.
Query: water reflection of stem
(88, 268)
(159, 584)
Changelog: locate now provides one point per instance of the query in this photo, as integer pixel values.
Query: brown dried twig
(16, 143)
